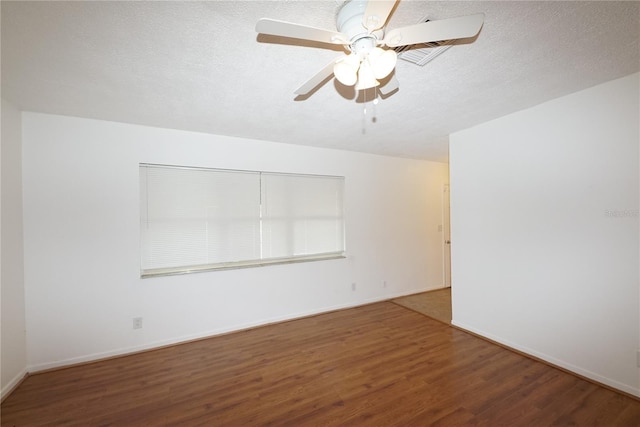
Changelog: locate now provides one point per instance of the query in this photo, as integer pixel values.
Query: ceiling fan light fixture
(345, 74)
(366, 78)
(346, 70)
(382, 61)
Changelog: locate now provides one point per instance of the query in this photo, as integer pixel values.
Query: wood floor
(376, 365)
(435, 304)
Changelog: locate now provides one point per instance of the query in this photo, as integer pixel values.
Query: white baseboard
(553, 361)
(207, 334)
(15, 382)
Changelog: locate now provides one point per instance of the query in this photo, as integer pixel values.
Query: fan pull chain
(364, 121)
(364, 112)
(374, 118)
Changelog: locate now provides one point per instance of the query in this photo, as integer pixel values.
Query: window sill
(159, 272)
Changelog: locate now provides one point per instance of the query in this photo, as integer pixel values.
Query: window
(195, 219)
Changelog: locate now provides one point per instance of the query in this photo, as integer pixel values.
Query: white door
(446, 236)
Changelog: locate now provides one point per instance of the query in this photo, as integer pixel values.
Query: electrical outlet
(353, 286)
(384, 284)
(137, 323)
(638, 358)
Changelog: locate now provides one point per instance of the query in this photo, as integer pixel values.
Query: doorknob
(448, 242)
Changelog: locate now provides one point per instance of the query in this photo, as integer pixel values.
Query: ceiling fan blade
(444, 29)
(390, 86)
(288, 29)
(376, 13)
(314, 81)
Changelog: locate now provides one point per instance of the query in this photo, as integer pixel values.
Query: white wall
(81, 226)
(545, 231)
(13, 344)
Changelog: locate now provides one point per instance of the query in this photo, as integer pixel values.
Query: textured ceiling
(200, 66)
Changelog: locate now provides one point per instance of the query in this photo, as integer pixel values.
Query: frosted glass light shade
(382, 61)
(345, 74)
(366, 78)
(346, 70)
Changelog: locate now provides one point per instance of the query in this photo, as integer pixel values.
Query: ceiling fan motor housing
(349, 22)
(363, 45)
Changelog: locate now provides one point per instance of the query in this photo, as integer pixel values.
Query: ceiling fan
(360, 29)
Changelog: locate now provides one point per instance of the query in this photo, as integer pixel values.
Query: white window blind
(195, 219)
(301, 215)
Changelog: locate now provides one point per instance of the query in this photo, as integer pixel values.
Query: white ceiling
(201, 66)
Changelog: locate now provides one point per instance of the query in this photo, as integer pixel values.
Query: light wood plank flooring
(435, 304)
(376, 365)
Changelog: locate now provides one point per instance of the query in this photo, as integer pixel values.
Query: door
(446, 236)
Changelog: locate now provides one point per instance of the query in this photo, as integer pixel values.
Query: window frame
(260, 262)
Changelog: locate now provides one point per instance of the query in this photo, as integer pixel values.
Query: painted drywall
(544, 223)
(13, 343)
(81, 237)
